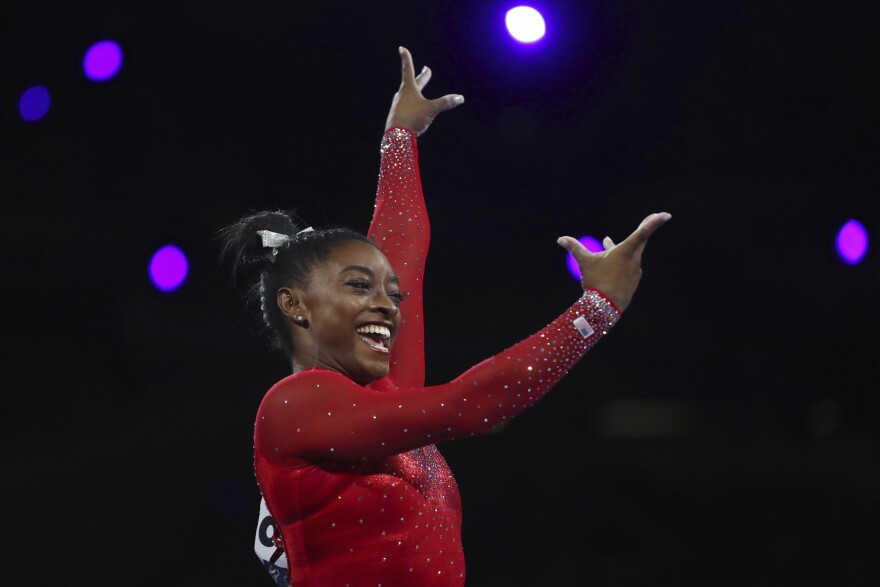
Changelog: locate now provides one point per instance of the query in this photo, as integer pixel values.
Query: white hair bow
(276, 240)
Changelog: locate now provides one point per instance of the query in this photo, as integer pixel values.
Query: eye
(398, 297)
(359, 284)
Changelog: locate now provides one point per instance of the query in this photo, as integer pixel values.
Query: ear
(290, 302)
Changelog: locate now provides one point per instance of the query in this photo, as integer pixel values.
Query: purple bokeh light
(852, 242)
(592, 245)
(34, 103)
(525, 24)
(102, 61)
(168, 268)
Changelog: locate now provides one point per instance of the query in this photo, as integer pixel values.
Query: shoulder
(294, 402)
(310, 377)
(303, 384)
(313, 391)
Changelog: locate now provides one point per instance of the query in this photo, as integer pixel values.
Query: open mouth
(375, 336)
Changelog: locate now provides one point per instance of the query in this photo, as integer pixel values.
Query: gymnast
(354, 489)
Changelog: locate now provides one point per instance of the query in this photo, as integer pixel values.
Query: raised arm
(400, 227)
(322, 414)
(400, 220)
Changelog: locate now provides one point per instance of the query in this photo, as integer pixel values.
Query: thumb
(447, 102)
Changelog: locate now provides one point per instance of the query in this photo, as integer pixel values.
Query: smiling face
(351, 313)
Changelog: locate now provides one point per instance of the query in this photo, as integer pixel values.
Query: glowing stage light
(168, 268)
(102, 61)
(592, 245)
(852, 242)
(34, 103)
(525, 24)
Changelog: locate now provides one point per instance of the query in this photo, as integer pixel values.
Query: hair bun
(244, 246)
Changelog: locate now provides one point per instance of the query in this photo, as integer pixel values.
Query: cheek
(334, 329)
(396, 334)
(336, 322)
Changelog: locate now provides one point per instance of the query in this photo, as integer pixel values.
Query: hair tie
(276, 240)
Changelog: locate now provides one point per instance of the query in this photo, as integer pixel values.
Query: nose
(384, 305)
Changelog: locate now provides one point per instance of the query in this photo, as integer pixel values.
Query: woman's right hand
(617, 270)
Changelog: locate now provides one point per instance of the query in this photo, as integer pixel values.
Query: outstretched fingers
(409, 108)
(574, 246)
(407, 73)
(635, 243)
(447, 102)
(423, 78)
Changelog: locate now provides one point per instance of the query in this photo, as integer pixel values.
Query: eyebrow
(369, 272)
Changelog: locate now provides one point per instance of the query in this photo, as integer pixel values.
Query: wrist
(618, 299)
(391, 127)
(395, 125)
(398, 137)
(597, 293)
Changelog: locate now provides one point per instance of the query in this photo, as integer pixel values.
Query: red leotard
(350, 473)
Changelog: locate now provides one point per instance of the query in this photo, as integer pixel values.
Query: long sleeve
(400, 228)
(319, 413)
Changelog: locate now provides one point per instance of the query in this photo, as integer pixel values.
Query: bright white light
(525, 24)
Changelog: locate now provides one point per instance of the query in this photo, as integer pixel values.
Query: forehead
(361, 254)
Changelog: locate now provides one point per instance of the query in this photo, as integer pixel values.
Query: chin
(371, 367)
(376, 372)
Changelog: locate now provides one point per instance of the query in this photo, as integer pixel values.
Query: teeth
(383, 331)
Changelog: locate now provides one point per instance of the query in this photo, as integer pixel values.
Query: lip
(371, 343)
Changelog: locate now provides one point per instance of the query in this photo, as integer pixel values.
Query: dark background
(725, 433)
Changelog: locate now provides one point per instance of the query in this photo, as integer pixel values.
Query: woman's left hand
(617, 270)
(410, 109)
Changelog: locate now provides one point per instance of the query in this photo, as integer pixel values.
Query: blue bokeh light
(102, 61)
(168, 268)
(592, 245)
(34, 103)
(852, 242)
(525, 24)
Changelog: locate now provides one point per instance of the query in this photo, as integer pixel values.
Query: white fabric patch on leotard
(583, 326)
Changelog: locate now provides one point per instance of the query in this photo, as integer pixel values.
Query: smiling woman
(348, 315)
(354, 489)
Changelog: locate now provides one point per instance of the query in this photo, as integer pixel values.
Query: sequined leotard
(375, 503)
